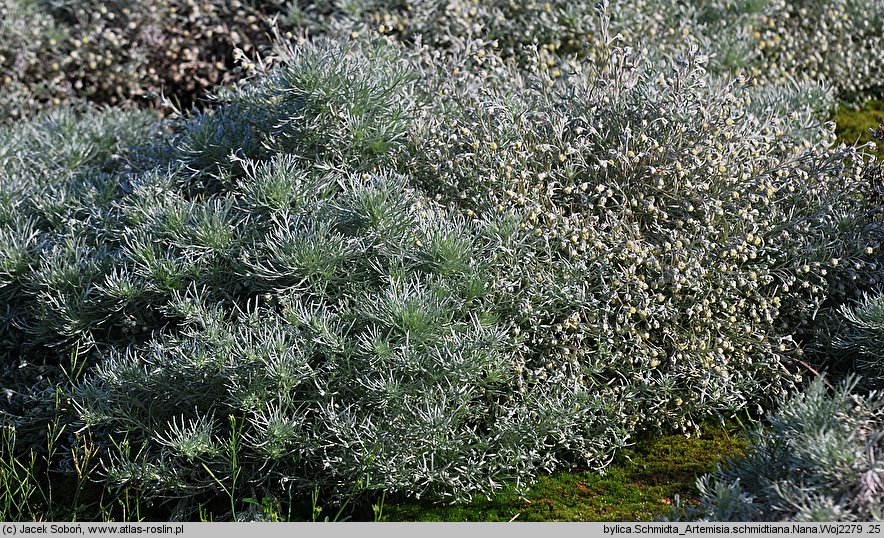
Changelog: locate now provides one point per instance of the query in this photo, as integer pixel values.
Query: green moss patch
(639, 485)
(852, 124)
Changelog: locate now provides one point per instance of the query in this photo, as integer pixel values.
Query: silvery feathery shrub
(267, 306)
(693, 234)
(816, 458)
(862, 337)
(56, 173)
(372, 353)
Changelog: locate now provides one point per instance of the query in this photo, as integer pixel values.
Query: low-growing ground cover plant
(861, 337)
(817, 458)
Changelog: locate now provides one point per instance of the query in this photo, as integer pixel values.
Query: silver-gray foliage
(817, 458)
(862, 337)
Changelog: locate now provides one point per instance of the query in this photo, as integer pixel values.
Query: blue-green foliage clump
(257, 265)
(817, 458)
(58, 175)
(861, 337)
(381, 267)
(353, 336)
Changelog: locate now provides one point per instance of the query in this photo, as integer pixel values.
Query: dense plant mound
(352, 330)
(818, 458)
(372, 352)
(374, 268)
(691, 229)
(58, 172)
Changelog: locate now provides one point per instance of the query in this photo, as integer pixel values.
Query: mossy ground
(852, 123)
(640, 485)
